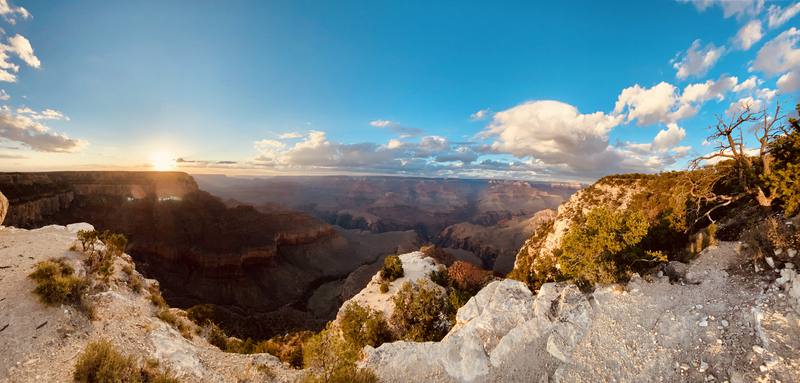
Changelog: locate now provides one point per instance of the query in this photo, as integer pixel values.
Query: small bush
(331, 359)
(201, 314)
(363, 326)
(384, 287)
(100, 362)
(102, 261)
(421, 312)
(56, 284)
(175, 321)
(136, 283)
(392, 268)
(156, 298)
(439, 276)
(288, 348)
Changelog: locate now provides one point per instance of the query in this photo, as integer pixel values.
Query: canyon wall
(38, 198)
(490, 218)
(258, 268)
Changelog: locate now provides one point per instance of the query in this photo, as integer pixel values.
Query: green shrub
(420, 312)
(362, 326)
(331, 359)
(56, 284)
(384, 287)
(288, 348)
(603, 246)
(392, 268)
(439, 276)
(784, 178)
(100, 362)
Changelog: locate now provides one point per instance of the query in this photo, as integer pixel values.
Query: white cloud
(780, 54)
(402, 131)
(749, 84)
(21, 47)
(9, 12)
(46, 114)
(381, 123)
(738, 8)
(697, 60)
(766, 94)
(647, 105)
(748, 35)
(479, 115)
(702, 92)
(554, 133)
(661, 103)
(668, 138)
(20, 128)
(789, 82)
(4, 96)
(394, 144)
(316, 151)
(739, 105)
(779, 16)
(290, 135)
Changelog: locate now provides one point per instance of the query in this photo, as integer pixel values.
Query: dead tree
(750, 164)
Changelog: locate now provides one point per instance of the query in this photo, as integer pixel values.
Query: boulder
(493, 330)
(3, 207)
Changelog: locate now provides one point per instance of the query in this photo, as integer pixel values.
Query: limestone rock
(492, 330)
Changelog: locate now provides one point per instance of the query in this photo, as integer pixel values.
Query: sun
(162, 161)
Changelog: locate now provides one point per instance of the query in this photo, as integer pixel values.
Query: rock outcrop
(261, 269)
(41, 343)
(3, 207)
(725, 327)
(37, 199)
(497, 244)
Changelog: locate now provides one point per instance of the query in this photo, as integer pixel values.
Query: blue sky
(567, 90)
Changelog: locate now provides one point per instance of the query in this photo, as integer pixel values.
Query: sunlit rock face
(3, 207)
(41, 198)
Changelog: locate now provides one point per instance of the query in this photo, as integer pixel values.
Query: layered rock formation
(496, 245)
(723, 327)
(40, 198)
(427, 206)
(261, 270)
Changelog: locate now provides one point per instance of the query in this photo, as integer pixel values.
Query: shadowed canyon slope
(250, 264)
(491, 218)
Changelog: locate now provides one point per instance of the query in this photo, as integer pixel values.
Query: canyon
(489, 219)
(276, 255)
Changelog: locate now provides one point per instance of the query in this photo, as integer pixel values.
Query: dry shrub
(176, 322)
(56, 283)
(468, 277)
(100, 362)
